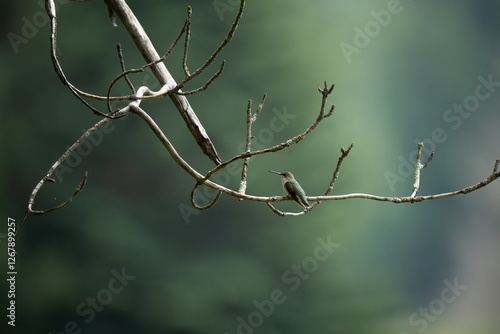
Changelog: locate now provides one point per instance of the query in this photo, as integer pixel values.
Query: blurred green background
(239, 268)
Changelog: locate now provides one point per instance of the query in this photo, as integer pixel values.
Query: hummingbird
(293, 188)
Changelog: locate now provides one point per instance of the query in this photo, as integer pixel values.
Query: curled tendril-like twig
(209, 205)
(30, 209)
(48, 175)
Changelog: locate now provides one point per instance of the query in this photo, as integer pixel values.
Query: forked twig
(418, 167)
(48, 175)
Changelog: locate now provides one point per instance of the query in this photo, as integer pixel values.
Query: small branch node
(242, 188)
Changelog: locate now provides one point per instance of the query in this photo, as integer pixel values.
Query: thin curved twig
(217, 51)
(202, 88)
(30, 210)
(122, 66)
(51, 11)
(48, 175)
(209, 205)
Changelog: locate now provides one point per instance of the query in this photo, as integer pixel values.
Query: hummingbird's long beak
(271, 171)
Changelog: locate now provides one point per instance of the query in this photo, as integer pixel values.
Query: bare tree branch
(173, 90)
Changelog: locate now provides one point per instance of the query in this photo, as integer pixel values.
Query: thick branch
(143, 43)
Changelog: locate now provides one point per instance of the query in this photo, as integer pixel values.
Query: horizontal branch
(409, 199)
(203, 179)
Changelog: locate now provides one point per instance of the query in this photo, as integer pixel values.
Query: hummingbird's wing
(290, 191)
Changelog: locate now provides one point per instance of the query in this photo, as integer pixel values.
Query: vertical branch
(250, 119)
(186, 41)
(418, 167)
(244, 170)
(122, 66)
